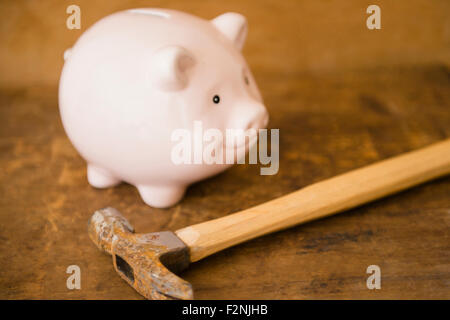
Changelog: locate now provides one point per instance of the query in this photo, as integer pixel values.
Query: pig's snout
(246, 120)
(250, 116)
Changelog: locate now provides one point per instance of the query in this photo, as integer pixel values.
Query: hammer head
(145, 261)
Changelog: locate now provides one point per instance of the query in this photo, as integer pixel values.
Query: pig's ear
(233, 26)
(170, 67)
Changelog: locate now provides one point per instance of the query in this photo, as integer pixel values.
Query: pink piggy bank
(136, 76)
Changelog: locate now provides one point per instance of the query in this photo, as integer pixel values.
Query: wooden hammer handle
(318, 200)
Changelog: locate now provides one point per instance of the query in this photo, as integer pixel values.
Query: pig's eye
(216, 99)
(247, 82)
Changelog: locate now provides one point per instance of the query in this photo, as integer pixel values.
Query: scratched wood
(330, 122)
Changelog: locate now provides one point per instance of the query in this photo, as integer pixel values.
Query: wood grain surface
(332, 116)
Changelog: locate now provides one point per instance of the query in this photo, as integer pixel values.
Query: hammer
(148, 262)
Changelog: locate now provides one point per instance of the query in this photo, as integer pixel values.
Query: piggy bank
(136, 76)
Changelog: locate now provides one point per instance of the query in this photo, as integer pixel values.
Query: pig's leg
(161, 196)
(100, 178)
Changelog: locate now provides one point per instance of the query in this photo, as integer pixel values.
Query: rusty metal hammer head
(145, 261)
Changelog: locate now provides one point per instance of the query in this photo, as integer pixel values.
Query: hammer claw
(167, 286)
(144, 261)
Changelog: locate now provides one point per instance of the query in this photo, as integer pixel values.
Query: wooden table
(330, 122)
